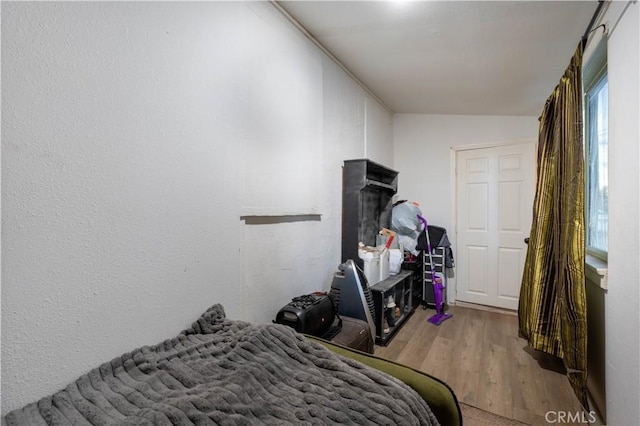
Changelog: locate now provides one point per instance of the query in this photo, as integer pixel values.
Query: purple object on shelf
(438, 287)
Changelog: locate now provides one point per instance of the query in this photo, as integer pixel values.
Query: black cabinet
(367, 191)
(400, 288)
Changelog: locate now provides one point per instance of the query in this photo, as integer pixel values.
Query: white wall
(422, 153)
(378, 128)
(622, 301)
(125, 133)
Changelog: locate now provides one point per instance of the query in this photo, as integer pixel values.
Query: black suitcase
(355, 334)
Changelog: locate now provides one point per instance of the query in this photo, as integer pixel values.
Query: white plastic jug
(371, 258)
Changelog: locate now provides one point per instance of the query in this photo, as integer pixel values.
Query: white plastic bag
(395, 261)
(384, 263)
(409, 244)
(404, 219)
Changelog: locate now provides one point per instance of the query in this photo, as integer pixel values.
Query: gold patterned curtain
(552, 311)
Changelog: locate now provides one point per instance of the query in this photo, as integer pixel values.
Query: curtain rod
(593, 20)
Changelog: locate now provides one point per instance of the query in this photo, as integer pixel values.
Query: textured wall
(124, 133)
(422, 151)
(622, 300)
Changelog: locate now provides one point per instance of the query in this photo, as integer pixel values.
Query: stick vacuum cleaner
(438, 286)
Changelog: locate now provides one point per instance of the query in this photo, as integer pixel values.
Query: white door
(494, 202)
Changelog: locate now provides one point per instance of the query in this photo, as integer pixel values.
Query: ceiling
(451, 57)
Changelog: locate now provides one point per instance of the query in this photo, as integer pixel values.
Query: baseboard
(486, 308)
(600, 421)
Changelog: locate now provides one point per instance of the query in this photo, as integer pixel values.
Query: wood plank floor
(479, 354)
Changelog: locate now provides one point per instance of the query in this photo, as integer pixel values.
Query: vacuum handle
(426, 232)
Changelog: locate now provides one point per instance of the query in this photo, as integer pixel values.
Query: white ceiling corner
(451, 57)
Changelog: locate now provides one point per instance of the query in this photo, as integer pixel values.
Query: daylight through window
(597, 184)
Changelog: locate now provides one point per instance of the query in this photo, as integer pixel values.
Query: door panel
(509, 273)
(509, 206)
(478, 257)
(494, 199)
(478, 197)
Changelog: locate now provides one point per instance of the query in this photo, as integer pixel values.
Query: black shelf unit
(400, 286)
(367, 192)
(415, 267)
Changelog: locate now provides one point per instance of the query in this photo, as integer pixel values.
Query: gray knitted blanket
(228, 372)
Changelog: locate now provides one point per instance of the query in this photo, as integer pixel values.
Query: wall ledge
(274, 219)
(596, 271)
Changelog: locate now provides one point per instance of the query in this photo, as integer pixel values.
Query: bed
(227, 372)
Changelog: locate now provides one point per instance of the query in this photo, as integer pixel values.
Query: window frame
(595, 74)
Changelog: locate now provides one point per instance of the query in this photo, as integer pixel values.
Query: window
(596, 152)
(597, 166)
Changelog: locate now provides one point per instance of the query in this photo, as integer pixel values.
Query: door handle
(526, 240)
